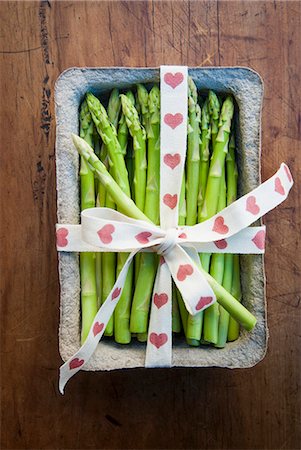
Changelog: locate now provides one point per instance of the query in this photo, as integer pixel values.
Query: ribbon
(103, 229)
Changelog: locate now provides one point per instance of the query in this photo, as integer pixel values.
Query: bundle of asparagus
(127, 177)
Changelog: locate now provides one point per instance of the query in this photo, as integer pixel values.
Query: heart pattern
(172, 161)
(160, 299)
(105, 233)
(75, 363)
(116, 293)
(204, 301)
(173, 80)
(173, 120)
(170, 200)
(288, 173)
(219, 226)
(221, 244)
(279, 187)
(158, 340)
(252, 206)
(61, 235)
(184, 271)
(259, 239)
(143, 237)
(97, 328)
(183, 236)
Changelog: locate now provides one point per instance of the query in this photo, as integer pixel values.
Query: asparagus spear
(211, 316)
(233, 331)
(142, 97)
(193, 154)
(128, 207)
(210, 118)
(214, 112)
(176, 321)
(109, 259)
(194, 324)
(98, 256)
(139, 137)
(232, 176)
(87, 260)
(182, 308)
(125, 144)
(204, 154)
(149, 261)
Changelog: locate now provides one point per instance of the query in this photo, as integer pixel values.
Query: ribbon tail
(82, 356)
(196, 292)
(159, 342)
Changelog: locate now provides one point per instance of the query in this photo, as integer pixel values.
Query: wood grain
(257, 408)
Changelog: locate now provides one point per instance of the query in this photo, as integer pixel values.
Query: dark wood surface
(258, 408)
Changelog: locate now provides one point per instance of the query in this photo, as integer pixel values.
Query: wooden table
(178, 408)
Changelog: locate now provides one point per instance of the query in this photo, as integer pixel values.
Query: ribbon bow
(103, 229)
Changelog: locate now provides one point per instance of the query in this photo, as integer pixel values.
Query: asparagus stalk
(194, 327)
(176, 321)
(214, 112)
(210, 110)
(193, 154)
(142, 99)
(233, 331)
(204, 155)
(109, 259)
(211, 316)
(149, 261)
(126, 145)
(128, 207)
(139, 137)
(232, 176)
(194, 324)
(98, 256)
(182, 308)
(87, 260)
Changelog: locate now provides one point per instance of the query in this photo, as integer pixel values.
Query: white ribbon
(103, 229)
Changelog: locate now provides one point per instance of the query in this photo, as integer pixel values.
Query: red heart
(219, 226)
(221, 244)
(160, 300)
(143, 237)
(162, 261)
(288, 173)
(252, 206)
(183, 236)
(173, 120)
(170, 200)
(158, 339)
(116, 293)
(172, 161)
(204, 301)
(259, 239)
(76, 363)
(98, 327)
(278, 186)
(173, 80)
(105, 233)
(184, 271)
(61, 235)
